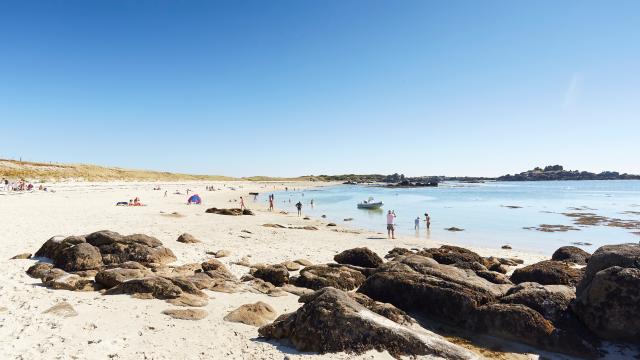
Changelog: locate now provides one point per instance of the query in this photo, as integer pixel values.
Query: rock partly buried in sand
(260, 286)
(608, 297)
(548, 272)
(116, 248)
(277, 274)
(230, 212)
(222, 253)
(303, 262)
(188, 300)
(215, 269)
(571, 254)
(187, 238)
(61, 280)
(331, 224)
(63, 309)
(332, 321)
(39, 269)
(186, 314)
(359, 257)
(257, 314)
(21, 256)
(506, 247)
(79, 257)
(442, 292)
(277, 226)
(551, 301)
(291, 266)
(147, 288)
(318, 276)
(113, 277)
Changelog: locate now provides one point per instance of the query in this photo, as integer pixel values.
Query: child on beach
(416, 225)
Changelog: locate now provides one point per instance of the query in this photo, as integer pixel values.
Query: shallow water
(482, 211)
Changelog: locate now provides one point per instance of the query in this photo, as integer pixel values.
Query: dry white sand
(122, 327)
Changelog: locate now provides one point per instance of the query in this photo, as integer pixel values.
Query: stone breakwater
(567, 304)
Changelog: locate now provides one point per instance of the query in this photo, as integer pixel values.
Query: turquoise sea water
(481, 210)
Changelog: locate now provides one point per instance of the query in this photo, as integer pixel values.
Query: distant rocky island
(557, 172)
(548, 173)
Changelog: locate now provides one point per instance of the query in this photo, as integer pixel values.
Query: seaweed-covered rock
(52, 247)
(571, 254)
(148, 287)
(116, 248)
(331, 321)
(548, 272)
(112, 277)
(318, 276)
(551, 301)
(449, 255)
(79, 257)
(359, 257)
(609, 304)
(278, 274)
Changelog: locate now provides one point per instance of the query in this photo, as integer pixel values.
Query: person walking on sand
(391, 218)
(165, 193)
(427, 219)
(242, 207)
(299, 207)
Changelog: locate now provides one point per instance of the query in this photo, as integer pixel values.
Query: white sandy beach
(123, 327)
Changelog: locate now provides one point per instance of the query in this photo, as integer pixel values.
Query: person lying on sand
(122, 203)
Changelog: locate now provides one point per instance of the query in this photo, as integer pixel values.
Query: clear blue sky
(322, 87)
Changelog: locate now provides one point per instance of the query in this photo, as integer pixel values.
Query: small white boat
(370, 204)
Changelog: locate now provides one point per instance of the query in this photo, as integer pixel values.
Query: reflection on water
(491, 214)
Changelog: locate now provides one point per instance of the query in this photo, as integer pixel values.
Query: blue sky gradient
(322, 87)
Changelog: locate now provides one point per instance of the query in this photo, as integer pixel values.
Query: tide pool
(492, 214)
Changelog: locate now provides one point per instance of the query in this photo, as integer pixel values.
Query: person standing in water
(416, 225)
(391, 217)
(271, 202)
(427, 219)
(299, 207)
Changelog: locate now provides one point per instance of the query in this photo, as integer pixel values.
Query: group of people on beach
(19, 185)
(132, 202)
(391, 223)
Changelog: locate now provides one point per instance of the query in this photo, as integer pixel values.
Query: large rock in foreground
(331, 321)
(548, 272)
(442, 292)
(359, 257)
(609, 305)
(521, 323)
